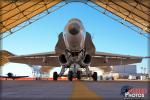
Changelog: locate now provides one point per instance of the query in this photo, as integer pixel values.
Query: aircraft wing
(109, 59)
(4, 77)
(19, 76)
(13, 76)
(42, 59)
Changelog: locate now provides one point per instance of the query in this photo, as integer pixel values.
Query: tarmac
(66, 90)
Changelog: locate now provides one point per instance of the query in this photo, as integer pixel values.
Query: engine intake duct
(87, 59)
(62, 59)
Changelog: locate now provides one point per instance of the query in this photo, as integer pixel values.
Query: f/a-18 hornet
(74, 48)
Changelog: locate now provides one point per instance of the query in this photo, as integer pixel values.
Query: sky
(42, 35)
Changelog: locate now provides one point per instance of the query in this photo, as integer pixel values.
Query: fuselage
(74, 35)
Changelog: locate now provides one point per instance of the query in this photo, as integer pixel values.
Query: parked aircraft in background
(10, 75)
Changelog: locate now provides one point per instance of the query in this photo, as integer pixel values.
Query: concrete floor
(66, 90)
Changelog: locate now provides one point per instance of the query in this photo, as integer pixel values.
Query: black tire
(94, 76)
(79, 75)
(55, 76)
(70, 75)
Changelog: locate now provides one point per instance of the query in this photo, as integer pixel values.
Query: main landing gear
(74, 72)
(94, 76)
(55, 76)
(78, 75)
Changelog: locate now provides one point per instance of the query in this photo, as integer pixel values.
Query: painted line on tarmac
(82, 92)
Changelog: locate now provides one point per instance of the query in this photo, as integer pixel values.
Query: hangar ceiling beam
(13, 13)
(17, 14)
(131, 11)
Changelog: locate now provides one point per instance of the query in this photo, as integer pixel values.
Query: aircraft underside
(75, 71)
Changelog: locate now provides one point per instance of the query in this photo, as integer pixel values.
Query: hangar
(17, 14)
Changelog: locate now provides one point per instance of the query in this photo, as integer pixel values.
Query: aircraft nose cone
(74, 29)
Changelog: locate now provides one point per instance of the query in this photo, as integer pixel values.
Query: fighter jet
(74, 50)
(10, 75)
